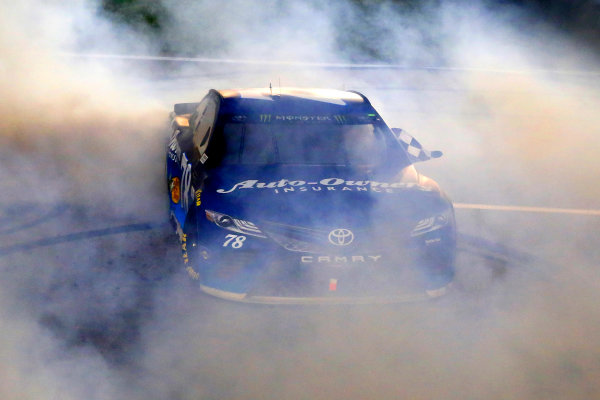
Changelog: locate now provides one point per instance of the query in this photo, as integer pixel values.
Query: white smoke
(90, 134)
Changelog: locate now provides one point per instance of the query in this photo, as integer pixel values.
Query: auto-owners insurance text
(285, 185)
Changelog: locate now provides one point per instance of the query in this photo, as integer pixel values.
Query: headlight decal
(235, 225)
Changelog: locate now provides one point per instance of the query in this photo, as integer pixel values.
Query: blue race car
(301, 196)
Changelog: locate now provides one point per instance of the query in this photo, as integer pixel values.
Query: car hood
(318, 196)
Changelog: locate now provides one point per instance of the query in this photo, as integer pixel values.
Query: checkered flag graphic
(415, 151)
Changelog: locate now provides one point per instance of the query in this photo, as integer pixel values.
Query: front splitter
(388, 299)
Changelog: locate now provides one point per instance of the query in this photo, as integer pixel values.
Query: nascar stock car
(305, 196)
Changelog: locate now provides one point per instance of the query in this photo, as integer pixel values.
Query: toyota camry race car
(305, 196)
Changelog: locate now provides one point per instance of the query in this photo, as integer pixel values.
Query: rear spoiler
(185, 108)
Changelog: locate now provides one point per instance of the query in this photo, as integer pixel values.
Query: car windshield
(303, 143)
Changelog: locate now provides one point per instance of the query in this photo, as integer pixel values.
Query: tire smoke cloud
(82, 143)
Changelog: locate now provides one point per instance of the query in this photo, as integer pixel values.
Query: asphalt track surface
(522, 313)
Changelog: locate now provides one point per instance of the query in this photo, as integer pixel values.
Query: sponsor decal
(186, 183)
(340, 118)
(303, 118)
(198, 197)
(184, 193)
(307, 118)
(175, 189)
(174, 149)
(333, 285)
(173, 145)
(235, 241)
(184, 252)
(178, 229)
(327, 184)
(266, 118)
(341, 237)
(339, 259)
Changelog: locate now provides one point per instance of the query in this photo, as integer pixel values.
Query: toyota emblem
(341, 237)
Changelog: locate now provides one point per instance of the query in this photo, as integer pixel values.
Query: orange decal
(175, 190)
(333, 285)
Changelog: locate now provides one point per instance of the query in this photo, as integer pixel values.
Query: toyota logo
(341, 237)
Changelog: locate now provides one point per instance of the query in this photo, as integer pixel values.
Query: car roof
(331, 96)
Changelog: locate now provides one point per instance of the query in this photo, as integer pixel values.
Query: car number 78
(238, 241)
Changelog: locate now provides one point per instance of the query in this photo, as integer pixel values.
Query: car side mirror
(415, 151)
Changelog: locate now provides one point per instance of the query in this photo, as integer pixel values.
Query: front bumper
(263, 272)
(328, 300)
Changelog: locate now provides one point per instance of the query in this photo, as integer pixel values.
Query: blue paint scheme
(291, 209)
(174, 170)
(394, 213)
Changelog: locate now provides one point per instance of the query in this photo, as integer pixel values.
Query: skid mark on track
(490, 250)
(72, 237)
(482, 265)
(17, 217)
